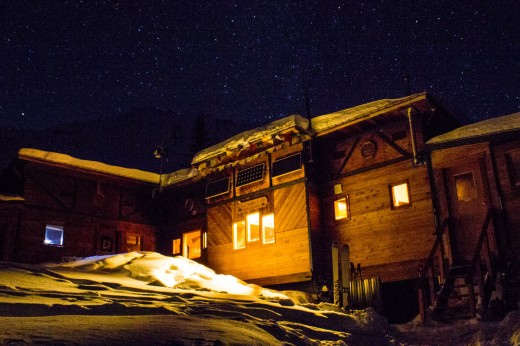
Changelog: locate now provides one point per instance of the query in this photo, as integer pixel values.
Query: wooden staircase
(449, 291)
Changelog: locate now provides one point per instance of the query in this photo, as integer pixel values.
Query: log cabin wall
(94, 214)
(286, 259)
(497, 166)
(360, 169)
(448, 164)
(281, 256)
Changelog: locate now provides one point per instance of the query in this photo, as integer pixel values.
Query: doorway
(192, 244)
(468, 200)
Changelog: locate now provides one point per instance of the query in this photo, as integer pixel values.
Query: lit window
(341, 209)
(268, 229)
(239, 235)
(133, 242)
(191, 247)
(205, 240)
(400, 195)
(53, 235)
(253, 227)
(465, 186)
(176, 246)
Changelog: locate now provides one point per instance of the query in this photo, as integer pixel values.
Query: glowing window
(253, 227)
(176, 246)
(341, 209)
(465, 186)
(400, 195)
(133, 242)
(268, 229)
(239, 235)
(53, 235)
(191, 247)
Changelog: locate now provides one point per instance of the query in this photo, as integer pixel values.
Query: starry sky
(62, 61)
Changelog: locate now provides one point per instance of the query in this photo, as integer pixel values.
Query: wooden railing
(433, 265)
(481, 265)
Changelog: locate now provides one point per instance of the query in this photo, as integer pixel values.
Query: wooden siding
(64, 197)
(510, 195)
(290, 207)
(220, 221)
(376, 233)
(288, 258)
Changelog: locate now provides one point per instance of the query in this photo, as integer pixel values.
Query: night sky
(62, 61)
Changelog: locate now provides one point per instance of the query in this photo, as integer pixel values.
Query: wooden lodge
(267, 205)
(415, 203)
(274, 199)
(60, 207)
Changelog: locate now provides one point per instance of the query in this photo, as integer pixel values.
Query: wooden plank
(289, 255)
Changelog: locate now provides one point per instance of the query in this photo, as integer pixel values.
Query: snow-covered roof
(243, 140)
(178, 176)
(342, 118)
(495, 126)
(66, 160)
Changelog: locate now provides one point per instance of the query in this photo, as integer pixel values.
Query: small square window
(341, 209)
(239, 235)
(53, 235)
(400, 195)
(465, 186)
(268, 236)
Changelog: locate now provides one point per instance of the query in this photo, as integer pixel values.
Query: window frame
(236, 246)
(392, 195)
(263, 232)
(54, 227)
(339, 198)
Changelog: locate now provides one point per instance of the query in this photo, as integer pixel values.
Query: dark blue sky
(70, 60)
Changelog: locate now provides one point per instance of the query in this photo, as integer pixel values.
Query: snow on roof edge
(67, 160)
(326, 122)
(481, 129)
(244, 138)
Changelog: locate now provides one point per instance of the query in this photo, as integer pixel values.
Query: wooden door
(468, 203)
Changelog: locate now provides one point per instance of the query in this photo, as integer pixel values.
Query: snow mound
(173, 272)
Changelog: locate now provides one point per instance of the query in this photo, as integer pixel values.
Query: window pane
(133, 242)
(53, 235)
(192, 244)
(465, 186)
(340, 209)
(268, 229)
(400, 195)
(176, 246)
(239, 235)
(253, 227)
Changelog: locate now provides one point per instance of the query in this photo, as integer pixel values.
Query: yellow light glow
(239, 235)
(400, 195)
(176, 246)
(191, 244)
(268, 235)
(253, 227)
(340, 209)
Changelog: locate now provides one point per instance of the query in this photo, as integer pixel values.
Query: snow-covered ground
(144, 298)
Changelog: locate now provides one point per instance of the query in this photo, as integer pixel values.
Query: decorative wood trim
(347, 157)
(393, 145)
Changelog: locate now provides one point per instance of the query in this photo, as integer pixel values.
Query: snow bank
(173, 272)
